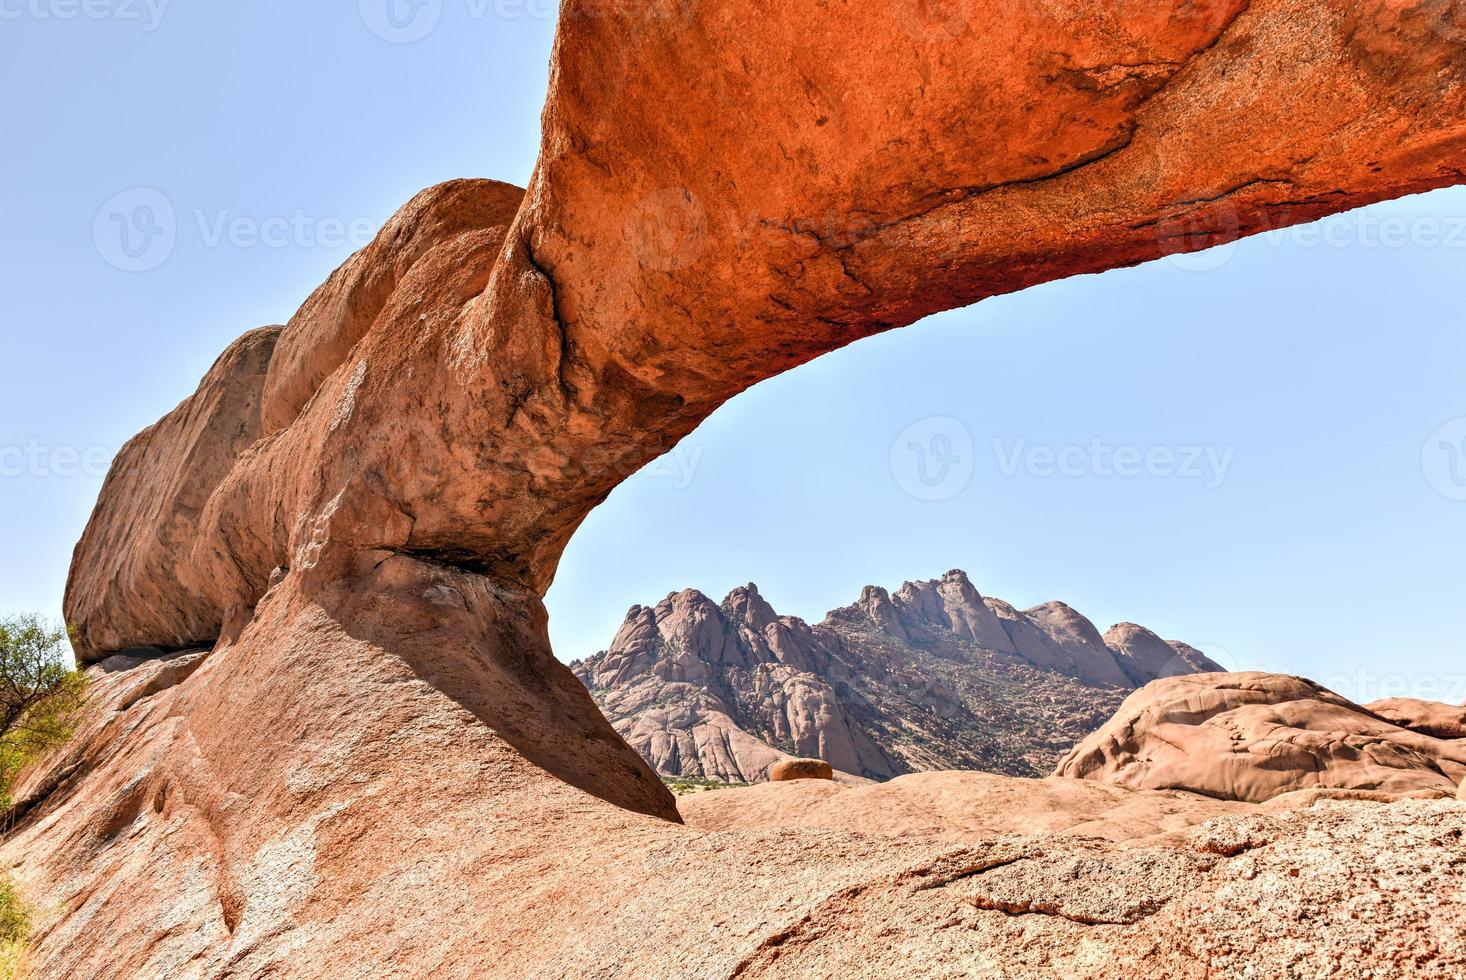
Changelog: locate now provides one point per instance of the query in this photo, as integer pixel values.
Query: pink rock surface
(957, 806)
(1255, 736)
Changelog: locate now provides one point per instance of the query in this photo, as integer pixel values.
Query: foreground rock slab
(957, 806)
(221, 871)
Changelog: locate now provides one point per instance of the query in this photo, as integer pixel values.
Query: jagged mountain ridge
(935, 676)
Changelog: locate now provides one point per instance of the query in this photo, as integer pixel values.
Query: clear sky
(1244, 450)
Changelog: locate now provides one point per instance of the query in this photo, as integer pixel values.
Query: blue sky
(1250, 449)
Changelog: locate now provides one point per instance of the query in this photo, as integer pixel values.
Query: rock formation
(379, 769)
(934, 676)
(793, 770)
(1256, 736)
(1427, 717)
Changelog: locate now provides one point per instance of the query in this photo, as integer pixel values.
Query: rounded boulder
(791, 769)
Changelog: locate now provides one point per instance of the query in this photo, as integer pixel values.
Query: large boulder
(789, 770)
(1255, 736)
(134, 581)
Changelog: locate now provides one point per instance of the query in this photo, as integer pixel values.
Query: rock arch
(360, 512)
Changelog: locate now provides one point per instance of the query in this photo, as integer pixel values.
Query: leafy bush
(15, 926)
(41, 694)
(15, 921)
(686, 785)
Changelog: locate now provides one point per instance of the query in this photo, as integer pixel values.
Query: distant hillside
(932, 677)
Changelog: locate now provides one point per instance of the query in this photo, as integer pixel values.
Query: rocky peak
(745, 605)
(921, 601)
(959, 596)
(876, 603)
(1076, 645)
(1199, 662)
(969, 616)
(934, 676)
(1062, 620)
(958, 579)
(1143, 655)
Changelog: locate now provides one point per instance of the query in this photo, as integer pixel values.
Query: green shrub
(15, 927)
(41, 695)
(15, 961)
(15, 921)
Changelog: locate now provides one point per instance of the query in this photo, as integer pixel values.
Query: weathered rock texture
(1256, 736)
(961, 806)
(381, 771)
(966, 806)
(931, 677)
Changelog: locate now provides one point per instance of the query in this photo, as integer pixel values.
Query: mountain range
(934, 676)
